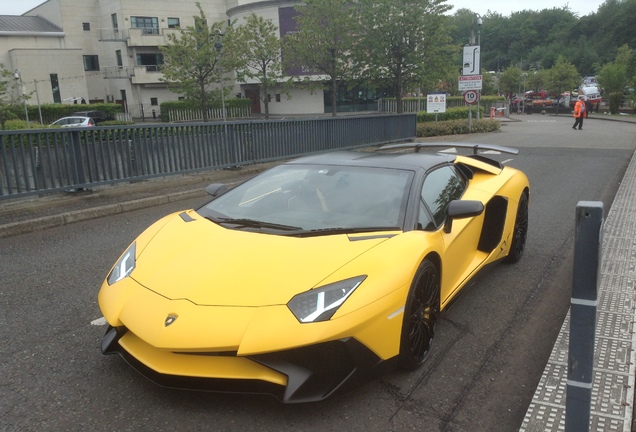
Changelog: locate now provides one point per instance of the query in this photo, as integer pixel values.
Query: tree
(510, 80)
(403, 43)
(323, 42)
(561, 77)
(258, 51)
(8, 99)
(537, 79)
(613, 77)
(191, 64)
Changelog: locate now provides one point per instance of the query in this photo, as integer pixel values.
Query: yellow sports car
(312, 275)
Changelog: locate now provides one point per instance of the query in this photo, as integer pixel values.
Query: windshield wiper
(343, 230)
(251, 223)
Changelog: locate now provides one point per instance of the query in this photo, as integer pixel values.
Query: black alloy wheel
(420, 316)
(520, 232)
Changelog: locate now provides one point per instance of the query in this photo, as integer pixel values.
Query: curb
(42, 223)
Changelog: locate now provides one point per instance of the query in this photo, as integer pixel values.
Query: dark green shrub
(457, 113)
(456, 127)
(166, 107)
(615, 102)
(116, 123)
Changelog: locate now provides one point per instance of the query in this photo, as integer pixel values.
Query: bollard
(587, 252)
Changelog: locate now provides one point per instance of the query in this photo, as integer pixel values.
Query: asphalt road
(488, 356)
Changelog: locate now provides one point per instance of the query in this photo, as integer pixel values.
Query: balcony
(112, 35)
(148, 74)
(149, 36)
(141, 74)
(118, 72)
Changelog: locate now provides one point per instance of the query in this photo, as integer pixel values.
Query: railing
(415, 105)
(33, 162)
(182, 115)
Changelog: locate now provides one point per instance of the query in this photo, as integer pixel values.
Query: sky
(504, 7)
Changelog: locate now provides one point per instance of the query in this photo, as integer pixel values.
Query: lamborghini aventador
(305, 279)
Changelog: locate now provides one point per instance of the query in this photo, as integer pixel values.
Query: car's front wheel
(420, 316)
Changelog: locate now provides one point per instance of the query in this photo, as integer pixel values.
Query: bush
(456, 127)
(615, 102)
(17, 124)
(166, 107)
(116, 123)
(457, 113)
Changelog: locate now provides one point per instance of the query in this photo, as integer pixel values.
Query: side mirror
(216, 189)
(459, 209)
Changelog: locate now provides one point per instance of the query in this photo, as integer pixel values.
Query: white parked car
(74, 121)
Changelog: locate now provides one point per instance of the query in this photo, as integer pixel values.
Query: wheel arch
(434, 258)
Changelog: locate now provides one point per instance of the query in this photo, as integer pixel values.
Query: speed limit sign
(471, 96)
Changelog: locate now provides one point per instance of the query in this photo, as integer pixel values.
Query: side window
(441, 186)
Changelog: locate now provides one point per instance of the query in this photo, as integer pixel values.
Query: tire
(520, 232)
(420, 315)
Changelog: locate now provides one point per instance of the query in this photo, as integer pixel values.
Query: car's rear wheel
(420, 316)
(520, 232)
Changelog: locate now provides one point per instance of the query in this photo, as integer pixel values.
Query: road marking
(99, 322)
(506, 161)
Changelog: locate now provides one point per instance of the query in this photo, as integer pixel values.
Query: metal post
(18, 76)
(37, 95)
(587, 252)
(219, 46)
(479, 22)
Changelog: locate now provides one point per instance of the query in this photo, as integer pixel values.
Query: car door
(460, 256)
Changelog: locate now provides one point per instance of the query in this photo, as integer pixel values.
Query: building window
(277, 97)
(86, 26)
(120, 63)
(113, 18)
(91, 63)
(55, 87)
(148, 25)
(173, 23)
(154, 101)
(152, 61)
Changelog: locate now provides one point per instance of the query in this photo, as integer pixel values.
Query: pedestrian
(579, 113)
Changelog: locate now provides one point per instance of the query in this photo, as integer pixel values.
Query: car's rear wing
(476, 147)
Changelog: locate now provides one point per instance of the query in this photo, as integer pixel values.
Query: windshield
(315, 198)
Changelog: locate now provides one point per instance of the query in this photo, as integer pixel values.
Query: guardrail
(34, 162)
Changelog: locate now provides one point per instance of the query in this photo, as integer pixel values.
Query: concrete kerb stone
(42, 223)
(24, 227)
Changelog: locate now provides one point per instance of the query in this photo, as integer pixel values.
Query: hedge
(456, 127)
(166, 107)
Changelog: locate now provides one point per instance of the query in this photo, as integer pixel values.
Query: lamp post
(479, 23)
(219, 46)
(17, 75)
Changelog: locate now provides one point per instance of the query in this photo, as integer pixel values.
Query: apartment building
(67, 51)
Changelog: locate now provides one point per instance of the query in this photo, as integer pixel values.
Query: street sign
(470, 82)
(435, 103)
(471, 60)
(471, 96)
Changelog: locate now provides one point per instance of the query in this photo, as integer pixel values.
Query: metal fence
(33, 162)
(416, 105)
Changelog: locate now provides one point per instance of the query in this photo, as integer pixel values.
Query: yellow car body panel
(170, 363)
(179, 249)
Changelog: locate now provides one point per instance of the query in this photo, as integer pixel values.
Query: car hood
(200, 261)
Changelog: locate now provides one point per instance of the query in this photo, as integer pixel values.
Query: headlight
(124, 266)
(321, 303)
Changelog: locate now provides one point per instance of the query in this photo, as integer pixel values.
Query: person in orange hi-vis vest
(579, 113)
